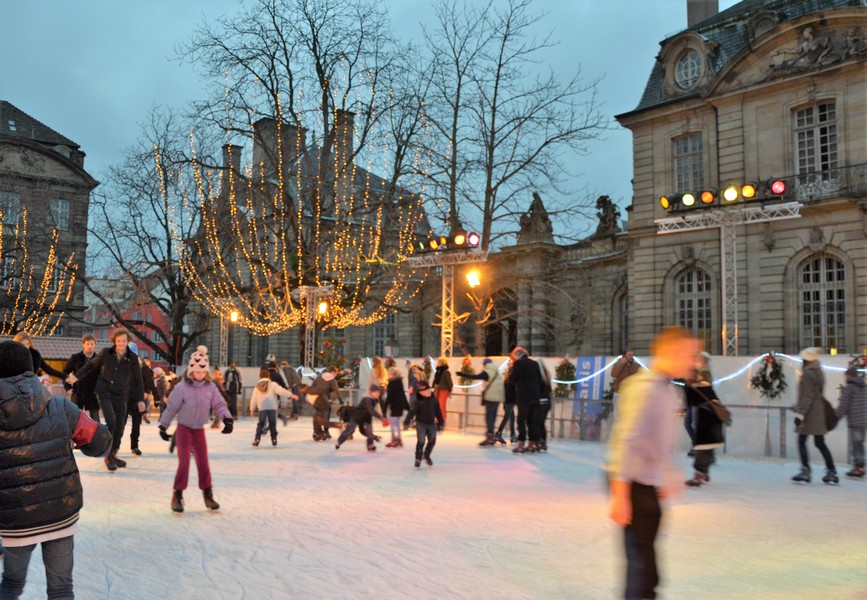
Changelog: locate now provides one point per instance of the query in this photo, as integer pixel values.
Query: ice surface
(305, 521)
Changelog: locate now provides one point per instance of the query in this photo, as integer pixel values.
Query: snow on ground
(305, 521)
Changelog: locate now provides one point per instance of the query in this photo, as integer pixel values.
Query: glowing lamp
(777, 186)
(708, 196)
(665, 202)
(748, 191)
(323, 307)
(688, 199)
(473, 239)
(233, 316)
(473, 278)
(730, 193)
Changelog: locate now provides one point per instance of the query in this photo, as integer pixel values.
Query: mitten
(385, 422)
(164, 434)
(798, 421)
(228, 425)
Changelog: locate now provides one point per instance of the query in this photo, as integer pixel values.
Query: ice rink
(302, 520)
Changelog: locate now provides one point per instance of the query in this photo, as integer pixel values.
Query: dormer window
(687, 71)
(12, 125)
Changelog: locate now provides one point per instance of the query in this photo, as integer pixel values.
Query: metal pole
(448, 312)
(223, 356)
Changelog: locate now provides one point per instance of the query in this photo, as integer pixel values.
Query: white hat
(811, 354)
(199, 361)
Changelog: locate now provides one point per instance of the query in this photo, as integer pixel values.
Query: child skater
(266, 398)
(428, 417)
(395, 404)
(362, 416)
(192, 400)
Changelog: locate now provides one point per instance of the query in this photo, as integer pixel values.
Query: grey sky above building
(92, 70)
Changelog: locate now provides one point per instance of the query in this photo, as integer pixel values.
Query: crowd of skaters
(119, 384)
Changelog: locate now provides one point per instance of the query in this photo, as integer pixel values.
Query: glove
(385, 422)
(142, 407)
(798, 421)
(228, 425)
(164, 434)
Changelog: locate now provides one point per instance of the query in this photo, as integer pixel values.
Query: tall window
(382, 332)
(56, 277)
(693, 304)
(688, 163)
(816, 138)
(10, 206)
(823, 303)
(9, 272)
(60, 213)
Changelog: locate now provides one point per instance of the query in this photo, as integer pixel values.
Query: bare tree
(134, 217)
(504, 131)
(308, 212)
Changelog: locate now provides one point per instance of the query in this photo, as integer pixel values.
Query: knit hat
(15, 359)
(810, 354)
(487, 361)
(199, 361)
(374, 388)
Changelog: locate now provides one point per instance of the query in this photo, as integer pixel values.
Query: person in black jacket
(82, 392)
(428, 418)
(39, 363)
(119, 384)
(395, 404)
(708, 428)
(526, 379)
(39, 480)
(362, 416)
(232, 379)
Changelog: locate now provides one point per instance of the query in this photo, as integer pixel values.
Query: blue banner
(592, 388)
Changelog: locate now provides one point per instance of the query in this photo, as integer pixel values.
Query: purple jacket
(192, 402)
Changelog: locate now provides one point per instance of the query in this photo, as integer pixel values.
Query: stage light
(688, 199)
(731, 193)
(709, 196)
(748, 191)
(777, 186)
(473, 239)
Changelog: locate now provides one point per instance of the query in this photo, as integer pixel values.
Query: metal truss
(726, 220)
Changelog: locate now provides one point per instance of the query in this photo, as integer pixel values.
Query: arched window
(822, 293)
(693, 304)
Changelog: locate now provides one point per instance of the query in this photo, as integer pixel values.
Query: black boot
(803, 476)
(120, 463)
(488, 441)
(109, 463)
(208, 494)
(831, 476)
(499, 438)
(178, 501)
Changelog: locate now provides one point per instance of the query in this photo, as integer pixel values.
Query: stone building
(43, 171)
(772, 90)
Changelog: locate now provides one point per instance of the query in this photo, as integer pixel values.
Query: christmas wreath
(769, 380)
(466, 369)
(565, 371)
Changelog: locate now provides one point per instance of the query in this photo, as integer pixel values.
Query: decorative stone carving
(536, 226)
(817, 241)
(688, 253)
(768, 237)
(815, 51)
(608, 215)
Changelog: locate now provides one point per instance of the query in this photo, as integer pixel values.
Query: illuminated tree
(306, 212)
(36, 280)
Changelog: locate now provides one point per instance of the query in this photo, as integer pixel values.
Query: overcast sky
(92, 69)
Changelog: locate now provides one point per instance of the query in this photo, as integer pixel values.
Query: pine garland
(466, 368)
(565, 371)
(769, 380)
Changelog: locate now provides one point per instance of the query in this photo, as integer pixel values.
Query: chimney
(344, 135)
(232, 157)
(699, 10)
(265, 143)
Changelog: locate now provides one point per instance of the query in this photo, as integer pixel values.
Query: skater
(395, 404)
(708, 428)
(428, 417)
(118, 387)
(293, 384)
(161, 389)
(191, 401)
(82, 392)
(640, 464)
(378, 376)
(623, 367)
(362, 416)
(508, 407)
(810, 417)
(232, 377)
(414, 374)
(323, 391)
(442, 384)
(526, 379)
(39, 364)
(493, 395)
(42, 494)
(853, 406)
(539, 414)
(266, 399)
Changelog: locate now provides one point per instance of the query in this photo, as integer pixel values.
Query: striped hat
(199, 361)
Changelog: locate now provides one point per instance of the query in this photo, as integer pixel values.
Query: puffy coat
(40, 489)
(810, 390)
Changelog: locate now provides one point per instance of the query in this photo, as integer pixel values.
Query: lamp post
(391, 348)
(313, 297)
(223, 355)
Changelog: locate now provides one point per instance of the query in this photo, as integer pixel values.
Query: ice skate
(519, 449)
(392, 444)
(109, 464)
(856, 473)
(136, 451)
(830, 477)
(178, 501)
(371, 448)
(499, 439)
(273, 441)
(803, 476)
(428, 461)
(488, 441)
(118, 462)
(256, 442)
(695, 481)
(417, 463)
(208, 494)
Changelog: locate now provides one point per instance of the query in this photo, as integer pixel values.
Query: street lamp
(391, 348)
(473, 278)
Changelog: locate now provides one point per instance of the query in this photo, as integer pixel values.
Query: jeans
(395, 427)
(425, 431)
(57, 555)
(508, 417)
(641, 573)
(856, 442)
(819, 442)
(490, 415)
(703, 460)
(271, 417)
(115, 412)
(191, 439)
(687, 424)
(366, 429)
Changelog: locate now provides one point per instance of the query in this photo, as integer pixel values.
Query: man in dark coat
(526, 379)
(83, 391)
(232, 378)
(39, 480)
(119, 383)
